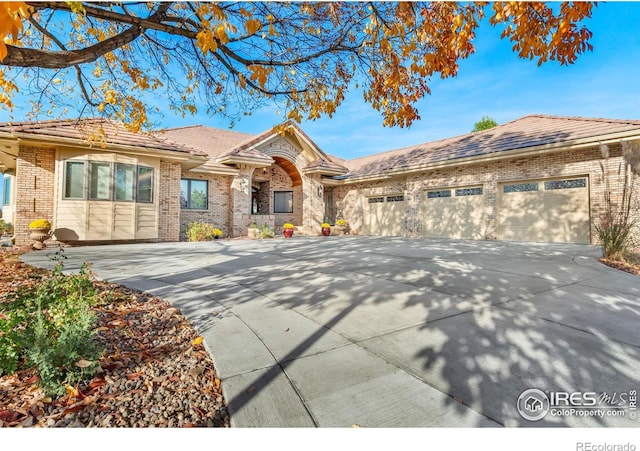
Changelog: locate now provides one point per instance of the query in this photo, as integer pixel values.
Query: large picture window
(193, 194)
(99, 180)
(283, 202)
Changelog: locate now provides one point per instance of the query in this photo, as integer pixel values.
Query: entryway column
(241, 201)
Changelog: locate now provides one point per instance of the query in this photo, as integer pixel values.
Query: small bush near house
(202, 231)
(4, 227)
(267, 232)
(49, 327)
(617, 224)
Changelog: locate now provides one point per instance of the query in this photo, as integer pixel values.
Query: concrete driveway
(394, 332)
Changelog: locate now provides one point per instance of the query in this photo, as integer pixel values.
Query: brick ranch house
(537, 178)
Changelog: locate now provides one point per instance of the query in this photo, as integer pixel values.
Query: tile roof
(80, 130)
(528, 131)
(212, 141)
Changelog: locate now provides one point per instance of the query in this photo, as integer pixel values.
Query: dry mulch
(622, 266)
(154, 371)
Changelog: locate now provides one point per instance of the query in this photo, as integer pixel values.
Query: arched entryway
(277, 191)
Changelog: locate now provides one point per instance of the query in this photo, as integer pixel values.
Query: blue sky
(492, 82)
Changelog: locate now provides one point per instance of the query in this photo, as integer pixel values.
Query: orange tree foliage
(117, 59)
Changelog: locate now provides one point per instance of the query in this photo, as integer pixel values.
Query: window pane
(124, 181)
(74, 180)
(184, 193)
(283, 202)
(99, 181)
(437, 194)
(144, 185)
(6, 197)
(468, 192)
(520, 187)
(565, 184)
(198, 198)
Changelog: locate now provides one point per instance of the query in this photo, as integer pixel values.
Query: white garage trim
(456, 212)
(384, 215)
(545, 210)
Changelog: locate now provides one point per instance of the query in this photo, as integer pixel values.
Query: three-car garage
(540, 210)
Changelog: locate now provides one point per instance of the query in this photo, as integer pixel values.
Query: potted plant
(39, 232)
(217, 233)
(342, 227)
(326, 229)
(287, 230)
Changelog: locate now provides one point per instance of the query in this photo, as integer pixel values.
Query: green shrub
(202, 231)
(5, 227)
(267, 231)
(615, 233)
(64, 354)
(50, 328)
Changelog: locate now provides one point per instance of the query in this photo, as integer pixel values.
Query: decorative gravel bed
(154, 371)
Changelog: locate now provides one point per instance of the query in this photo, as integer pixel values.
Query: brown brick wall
(169, 198)
(35, 170)
(217, 212)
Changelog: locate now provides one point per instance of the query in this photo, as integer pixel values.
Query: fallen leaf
(197, 341)
(9, 415)
(72, 392)
(251, 389)
(196, 371)
(32, 380)
(134, 376)
(74, 408)
(216, 381)
(82, 363)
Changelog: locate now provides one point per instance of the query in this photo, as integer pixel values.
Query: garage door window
(520, 187)
(436, 194)
(395, 198)
(565, 184)
(376, 200)
(468, 192)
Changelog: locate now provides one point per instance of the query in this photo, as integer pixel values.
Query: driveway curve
(396, 332)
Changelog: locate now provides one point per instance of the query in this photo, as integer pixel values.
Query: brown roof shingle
(212, 141)
(522, 133)
(81, 130)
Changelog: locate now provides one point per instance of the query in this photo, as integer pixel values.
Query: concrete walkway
(394, 332)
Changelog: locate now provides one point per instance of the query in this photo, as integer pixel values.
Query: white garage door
(453, 213)
(554, 211)
(384, 216)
